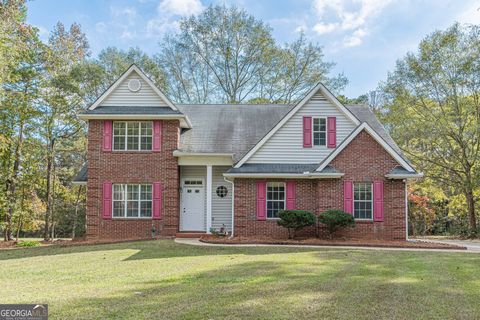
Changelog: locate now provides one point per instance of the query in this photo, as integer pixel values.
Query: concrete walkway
(197, 242)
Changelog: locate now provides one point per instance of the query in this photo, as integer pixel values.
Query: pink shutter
(378, 200)
(307, 132)
(348, 196)
(157, 135)
(107, 135)
(291, 197)
(157, 201)
(332, 132)
(107, 200)
(261, 200)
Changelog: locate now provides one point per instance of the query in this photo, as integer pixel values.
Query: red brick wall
(132, 167)
(364, 160)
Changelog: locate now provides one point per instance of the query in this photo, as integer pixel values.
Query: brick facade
(132, 167)
(363, 160)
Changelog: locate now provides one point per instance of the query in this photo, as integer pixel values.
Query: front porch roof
(283, 170)
(82, 175)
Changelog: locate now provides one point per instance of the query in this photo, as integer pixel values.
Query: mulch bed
(416, 244)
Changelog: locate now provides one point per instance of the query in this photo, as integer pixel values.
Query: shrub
(295, 220)
(336, 219)
(28, 243)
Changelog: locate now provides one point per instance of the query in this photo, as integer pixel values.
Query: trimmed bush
(335, 220)
(295, 220)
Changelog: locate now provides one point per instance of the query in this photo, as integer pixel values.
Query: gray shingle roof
(131, 110)
(365, 114)
(274, 168)
(82, 175)
(228, 128)
(280, 168)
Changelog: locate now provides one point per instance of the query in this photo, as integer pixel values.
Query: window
(132, 200)
(275, 198)
(362, 201)
(131, 135)
(319, 131)
(222, 191)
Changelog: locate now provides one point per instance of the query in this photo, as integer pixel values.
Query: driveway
(471, 245)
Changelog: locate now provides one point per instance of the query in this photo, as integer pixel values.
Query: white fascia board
(179, 153)
(375, 136)
(132, 68)
(285, 175)
(79, 183)
(184, 121)
(404, 176)
(287, 117)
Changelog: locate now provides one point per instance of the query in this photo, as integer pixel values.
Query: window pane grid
(275, 198)
(129, 135)
(319, 132)
(362, 201)
(132, 201)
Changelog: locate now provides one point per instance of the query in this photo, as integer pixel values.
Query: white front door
(192, 208)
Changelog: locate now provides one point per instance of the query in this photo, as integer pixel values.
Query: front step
(190, 234)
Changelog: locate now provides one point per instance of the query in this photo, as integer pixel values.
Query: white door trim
(209, 198)
(182, 228)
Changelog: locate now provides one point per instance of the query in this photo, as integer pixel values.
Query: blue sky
(363, 37)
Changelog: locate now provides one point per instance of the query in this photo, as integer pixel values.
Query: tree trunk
(75, 216)
(471, 211)
(12, 185)
(48, 212)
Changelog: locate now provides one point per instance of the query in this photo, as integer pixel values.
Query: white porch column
(209, 197)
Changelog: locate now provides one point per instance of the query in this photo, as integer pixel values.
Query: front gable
(133, 88)
(285, 143)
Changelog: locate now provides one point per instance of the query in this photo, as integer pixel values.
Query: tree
(226, 55)
(433, 108)
(61, 101)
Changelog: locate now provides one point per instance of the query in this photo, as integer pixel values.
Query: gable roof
(365, 126)
(130, 70)
(319, 87)
(228, 128)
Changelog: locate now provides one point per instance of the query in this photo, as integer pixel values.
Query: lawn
(165, 280)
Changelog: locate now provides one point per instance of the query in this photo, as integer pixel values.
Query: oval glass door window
(222, 191)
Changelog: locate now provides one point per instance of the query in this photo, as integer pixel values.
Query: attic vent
(134, 85)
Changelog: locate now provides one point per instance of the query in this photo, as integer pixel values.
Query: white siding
(145, 97)
(221, 207)
(286, 145)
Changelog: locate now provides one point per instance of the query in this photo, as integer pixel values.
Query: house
(156, 168)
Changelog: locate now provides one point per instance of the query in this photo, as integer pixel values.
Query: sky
(363, 37)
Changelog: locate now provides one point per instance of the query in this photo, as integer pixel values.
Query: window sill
(132, 218)
(132, 151)
(364, 221)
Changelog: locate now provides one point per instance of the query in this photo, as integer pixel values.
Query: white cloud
(322, 28)
(180, 7)
(167, 15)
(351, 17)
(471, 14)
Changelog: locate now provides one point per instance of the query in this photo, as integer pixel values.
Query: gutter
(233, 206)
(404, 176)
(179, 153)
(186, 122)
(305, 175)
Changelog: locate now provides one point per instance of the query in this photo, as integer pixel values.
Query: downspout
(406, 209)
(233, 205)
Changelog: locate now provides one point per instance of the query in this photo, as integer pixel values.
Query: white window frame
(284, 198)
(125, 136)
(125, 200)
(363, 201)
(313, 132)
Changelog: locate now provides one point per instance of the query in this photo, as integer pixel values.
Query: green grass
(164, 280)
